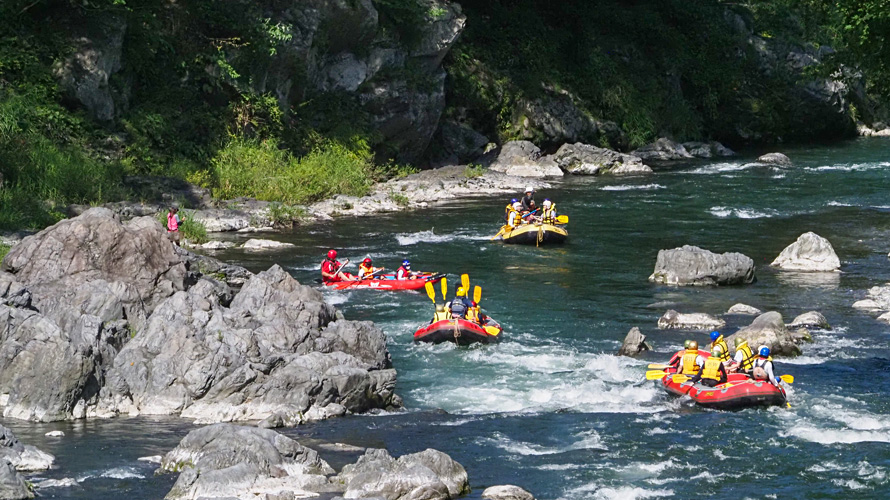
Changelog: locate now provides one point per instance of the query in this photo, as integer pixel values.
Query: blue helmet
(764, 351)
(406, 263)
(715, 335)
(514, 200)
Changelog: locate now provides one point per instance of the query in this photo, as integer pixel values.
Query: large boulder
(428, 475)
(506, 492)
(523, 159)
(689, 265)
(584, 159)
(694, 321)
(768, 329)
(225, 461)
(777, 159)
(634, 343)
(744, 309)
(277, 351)
(810, 252)
(878, 299)
(663, 149)
(811, 319)
(23, 457)
(707, 149)
(455, 143)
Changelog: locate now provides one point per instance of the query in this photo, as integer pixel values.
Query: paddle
(430, 291)
(788, 379)
(477, 294)
(679, 379)
(655, 375)
(562, 219)
(465, 282)
(375, 273)
(499, 233)
(656, 366)
(444, 289)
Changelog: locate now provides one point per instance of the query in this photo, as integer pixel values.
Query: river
(550, 408)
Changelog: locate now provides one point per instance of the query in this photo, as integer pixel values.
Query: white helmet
(547, 203)
(529, 189)
(517, 206)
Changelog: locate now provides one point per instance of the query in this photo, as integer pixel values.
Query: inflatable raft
(387, 282)
(459, 331)
(534, 234)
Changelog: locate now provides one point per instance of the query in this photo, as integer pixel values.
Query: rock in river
(584, 159)
(775, 159)
(634, 343)
(744, 309)
(812, 319)
(691, 265)
(523, 159)
(506, 492)
(428, 475)
(810, 252)
(695, 321)
(663, 149)
(768, 329)
(14, 457)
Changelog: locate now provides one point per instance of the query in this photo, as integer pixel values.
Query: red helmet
(332, 254)
(367, 260)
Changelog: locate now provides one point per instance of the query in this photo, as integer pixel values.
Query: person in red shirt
(331, 269)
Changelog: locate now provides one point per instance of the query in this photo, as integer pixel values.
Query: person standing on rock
(331, 269)
(173, 223)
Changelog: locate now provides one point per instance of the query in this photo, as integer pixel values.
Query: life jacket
(473, 314)
(549, 215)
(403, 273)
(330, 267)
(725, 348)
(458, 308)
(689, 365)
(439, 316)
(507, 212)
(514, 218)
(747, 357)
(172, 223)
(711, 370)
(364, 272)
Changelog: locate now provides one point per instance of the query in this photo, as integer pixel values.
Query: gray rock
(695, 321)
(558, 117)
(429, 474)
(663, 149)
(506, 492)
(259, 245)
(812, 319)
(768, 329)
(775, 159)
(523, 159)
(689, 265)
(810, 252)
(12, 484)
(634, 343)
(225, 460)
(202, 266)
(22, 457)
(721, 150)
(744, 309)
(457, 144)
(584, 159)
(707, 149)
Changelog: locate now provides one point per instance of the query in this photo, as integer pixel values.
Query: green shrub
(4, 249)
(473, 171)
(280, 214)
(189, 229)
(399, 199)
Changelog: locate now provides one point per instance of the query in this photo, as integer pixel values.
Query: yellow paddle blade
(477, 294)
(465, 282)
(680, 378)
(788, 379)
(491, 330)
(445, 289)
(498, 234)
(655, 375)
(430, 291)
(656, 366)
(562, 219)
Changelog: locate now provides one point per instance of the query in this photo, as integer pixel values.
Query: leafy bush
(280, 214)
(399, 199)
(473, 171)
(192, 230)
(4, 249)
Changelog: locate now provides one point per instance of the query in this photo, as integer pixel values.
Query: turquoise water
(551, 408)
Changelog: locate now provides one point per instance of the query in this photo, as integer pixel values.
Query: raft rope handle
(456, 331)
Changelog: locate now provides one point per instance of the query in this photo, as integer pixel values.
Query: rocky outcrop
(689, 265)
(768, 329)
(810, 252)
(506, 492)
(278, 351)
(429, 474)
(200, 266)
(523, 159)
(634, 343)
(225, 461)
(811, 319)
(744, 309)
(584, 159)
(663, 149)
(777, 159)
(15, 457)
(456, 144)
(694, 321)
(556, 117)
(707, 149)
(877, 301)
(12, 485)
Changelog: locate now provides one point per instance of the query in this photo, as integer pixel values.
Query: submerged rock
(744, 309)
(768, 329)
(810, 252)
(775, 159)
(506, 492)
(689, 265)
(695, 321)
(634, 343)
(584, 159)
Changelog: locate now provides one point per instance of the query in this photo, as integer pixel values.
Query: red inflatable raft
(459, 331)
(387, 282)
(739, 391)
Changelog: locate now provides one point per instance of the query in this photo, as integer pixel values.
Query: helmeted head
(367, 261)
(517, 206)
(332, 254)
(514, 200)
(529, 190)
(740, 342)
(547, 203)
(461, 292)
(717, 351)
(693, 345)
(440, 308)
(763, 351)
(686, 344)
(715, 335)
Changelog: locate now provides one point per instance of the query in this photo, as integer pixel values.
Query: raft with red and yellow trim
(460, 331)
(387, 282)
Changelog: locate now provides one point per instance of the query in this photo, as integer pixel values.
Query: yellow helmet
(693, 345)
(461, 292)
(739, 342)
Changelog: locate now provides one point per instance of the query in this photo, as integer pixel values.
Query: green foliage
(403, 18)
(4, 249)
(399, 199)
(473, 171)
(281, 214)
(192, 230)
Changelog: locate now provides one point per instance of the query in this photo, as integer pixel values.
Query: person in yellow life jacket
(717, 340)
(514, 220)
(461, 305)
(509, 209)
(712, 372)
(691, 361)
(548, 216)
(366, 269)
(440, 315)
(744, 358)
(675, 359)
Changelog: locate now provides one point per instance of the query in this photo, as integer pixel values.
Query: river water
(550, 408)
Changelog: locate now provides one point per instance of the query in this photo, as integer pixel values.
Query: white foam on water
(657, 430)
(587, 440)
(429, 236)
(720, 168)
(123, 472)
(633, 187)
(597, 492)
(843, 167)
(740, 213)
(839, 204)
(560, 467)
(709, 477)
